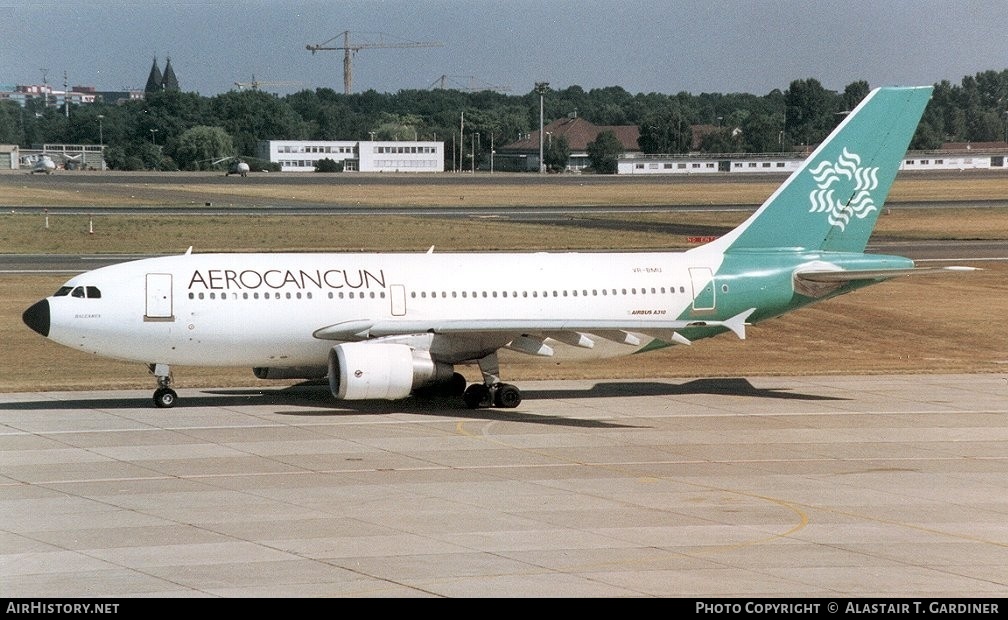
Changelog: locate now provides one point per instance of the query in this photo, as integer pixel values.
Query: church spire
(154, 79)
(169, 81)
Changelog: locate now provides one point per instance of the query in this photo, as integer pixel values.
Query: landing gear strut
(164, 396)
(492, 392)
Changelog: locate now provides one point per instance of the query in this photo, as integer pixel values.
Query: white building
(665, 164)
(952, 161)
(9, 157)
(356, 156)
(744, 163)
(701, 163)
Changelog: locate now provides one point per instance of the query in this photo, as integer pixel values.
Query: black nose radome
(37, 317)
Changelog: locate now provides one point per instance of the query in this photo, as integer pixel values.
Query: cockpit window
(89, 292)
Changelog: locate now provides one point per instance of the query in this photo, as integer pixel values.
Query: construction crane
(350, 49)
(473, 85)
(256, 84)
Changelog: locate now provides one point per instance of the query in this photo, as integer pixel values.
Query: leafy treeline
(172, 130)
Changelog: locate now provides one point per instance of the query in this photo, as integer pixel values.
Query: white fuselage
(265, 309)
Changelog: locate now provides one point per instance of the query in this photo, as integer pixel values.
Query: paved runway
(832, 487)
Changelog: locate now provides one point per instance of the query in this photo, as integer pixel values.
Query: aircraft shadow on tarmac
(314, 399)
(720, 386)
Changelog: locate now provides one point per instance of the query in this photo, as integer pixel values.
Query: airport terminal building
(356, 156)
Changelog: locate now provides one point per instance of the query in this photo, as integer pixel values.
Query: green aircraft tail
(833, 201)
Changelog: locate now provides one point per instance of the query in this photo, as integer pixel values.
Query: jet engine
(363, 370)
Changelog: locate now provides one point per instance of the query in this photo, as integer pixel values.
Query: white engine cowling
(363, 370)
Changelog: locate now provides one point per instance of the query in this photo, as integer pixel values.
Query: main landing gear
(492, 392)
(164, 396)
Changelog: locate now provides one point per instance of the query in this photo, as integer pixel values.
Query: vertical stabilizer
(832, 202)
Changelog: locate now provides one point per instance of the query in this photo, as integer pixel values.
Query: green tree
(200, 147)
(52, 125)
(604, 152)
(250, 116)
(327, 164)
(854, 93)
(760, 134)
(723, 140)
(810, 111)
(926, 138)
(556, 154)
(985, 126)
(10, 123)
(151, 155)
(399, 127)
(666, 131)
(161, 118)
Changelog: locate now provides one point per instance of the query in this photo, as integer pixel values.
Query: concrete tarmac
(826, 486)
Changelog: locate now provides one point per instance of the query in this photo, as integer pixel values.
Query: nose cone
(37, 317)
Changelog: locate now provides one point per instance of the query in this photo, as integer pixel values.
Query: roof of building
(578, 132)
(974, 146)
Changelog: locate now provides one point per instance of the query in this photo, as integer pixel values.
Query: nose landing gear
(164, 396)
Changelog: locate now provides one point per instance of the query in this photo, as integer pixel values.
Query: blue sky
(664, 46)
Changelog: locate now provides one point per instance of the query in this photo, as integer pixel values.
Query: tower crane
(350, 49)
(257, 84)
(473, 84)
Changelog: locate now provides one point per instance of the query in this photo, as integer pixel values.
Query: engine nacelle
(363, 370)
(294, 372)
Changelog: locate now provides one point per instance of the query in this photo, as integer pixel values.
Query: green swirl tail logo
(843, 189)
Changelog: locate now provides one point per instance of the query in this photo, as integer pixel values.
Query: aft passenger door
(703, 288)
(159, 297)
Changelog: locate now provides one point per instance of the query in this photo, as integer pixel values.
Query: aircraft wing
(528, 335)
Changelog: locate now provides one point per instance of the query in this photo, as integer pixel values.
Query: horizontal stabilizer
(852, 275)
(736, 323)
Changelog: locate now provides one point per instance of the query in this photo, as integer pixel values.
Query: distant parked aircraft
(235, 165)
(43, 164)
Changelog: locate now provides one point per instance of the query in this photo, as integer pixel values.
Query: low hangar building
(356, 155)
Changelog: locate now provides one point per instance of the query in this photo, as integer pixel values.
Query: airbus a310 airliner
(382, 326)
